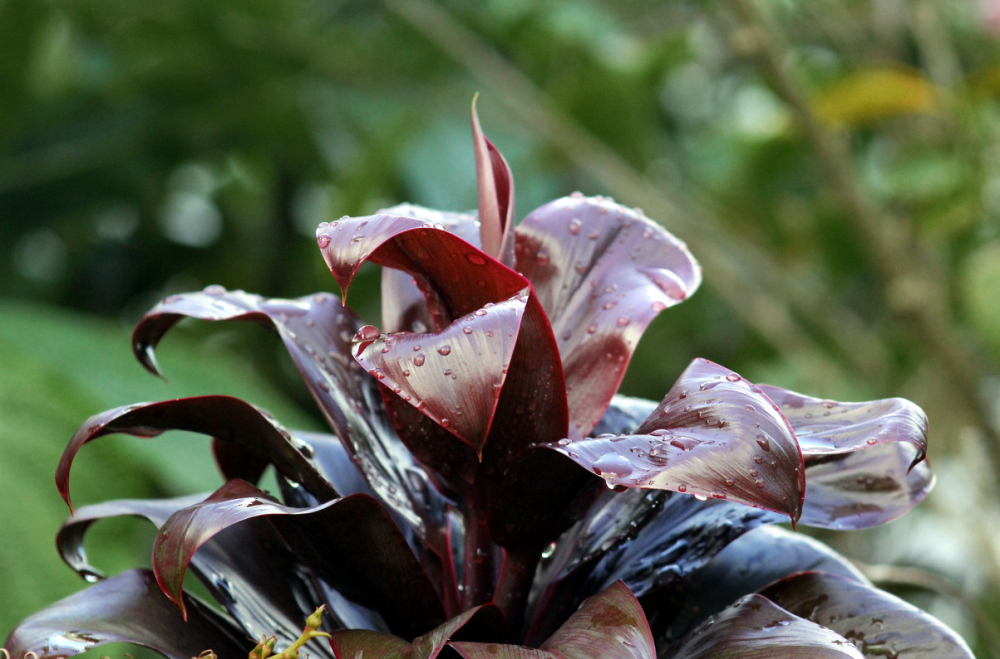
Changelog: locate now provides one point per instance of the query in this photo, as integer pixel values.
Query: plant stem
(478, 578)
(514, 586)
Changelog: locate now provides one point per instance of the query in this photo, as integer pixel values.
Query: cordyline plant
(486, 492)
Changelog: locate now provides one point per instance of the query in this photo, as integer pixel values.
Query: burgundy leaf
(864, 461)
(609, 625)
(714, 435)
(746, 565)
(602, 272)
(458, 279)
(317, 330)
(127, 608)
(226, 418)
(403, 306)
(247, 568)
(500, 651)
(757, 629)
(495, 186)
(648, 539)
(350, 543)
(481, 623)
(880, 624)
(455, 376)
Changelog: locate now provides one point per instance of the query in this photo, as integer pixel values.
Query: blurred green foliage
(834, 163)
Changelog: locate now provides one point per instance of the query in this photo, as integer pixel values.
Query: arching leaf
(223, 417)
(317, 330)
(610, 624)
(247, 568)
(880, 624)
(602, 272)
(127, 608)
(755, 627)
(714, 435)
(350, 543)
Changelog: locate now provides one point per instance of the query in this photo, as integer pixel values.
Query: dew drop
(609, 305)
(758, 459)
(480, 312)
(378, 373)
(623, 321)
(759, 483)
(574, 227)
(386, 348)
(829, 404)
(751, 408)
(323, 241)
(445, 423)
(475, 259)
(444, 351)
(542, 258)
(406, 372)
(467, 330)
(659, 306)
(872, 441)
(763, 443)
(682, 488)
(733, 377)
(592, 328)
(754, 472)
(368, 333)
(418, 360)
(214, 289)
(730, 482)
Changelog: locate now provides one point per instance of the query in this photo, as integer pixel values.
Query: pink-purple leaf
(501, 651)
(602, 272)
(495, 186)
(458, 279)
(609, 625)
(481, 623)
(238, 423)
(350, 543)
(454, 376)
(864, 461)
(127, 608)
(880, 624)
(403, 305)
(713, 435)
(755, 628)
(317, 331)
(264, 588)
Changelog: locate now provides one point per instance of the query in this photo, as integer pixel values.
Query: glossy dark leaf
(350, 543)
(880, 624)
(126, 608)
(317, 330)
(714, 435)
(602, 272)
(403, 305)
(247, 568)
(455, 376)
(743, 567)
(647, 539)
(501, 651)
(609, 625)
(482, 623)
(864, 461)
(457, 279)
(495, 190)
(755, 628)
(223, 417)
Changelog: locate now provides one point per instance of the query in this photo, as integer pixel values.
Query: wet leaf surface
(455, 376)
(495, 192)
(350, 543)
(229, 419)
(602, 272)
(713, 435)
(864, 461)
(755, 627)
(647, 539)
(317, 331)
(126, 608)
(610, 624)
(480, 624)
(743, 567)
(879, 624)
(265, 589)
